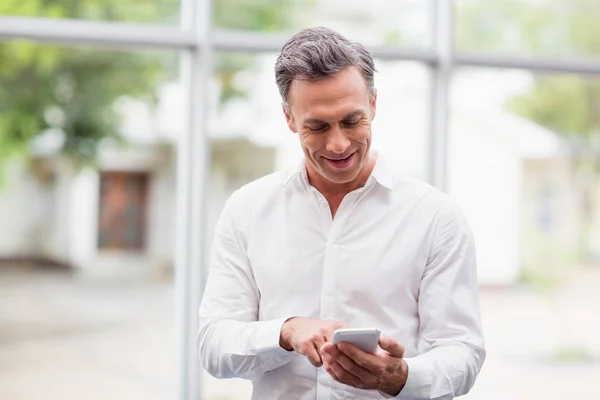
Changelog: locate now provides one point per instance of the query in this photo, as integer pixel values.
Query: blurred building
(517, 185)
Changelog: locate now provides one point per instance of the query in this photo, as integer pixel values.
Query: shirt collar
(381, 172)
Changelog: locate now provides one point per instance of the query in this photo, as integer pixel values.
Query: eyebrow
(346, 117)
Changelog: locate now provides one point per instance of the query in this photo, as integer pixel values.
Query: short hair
(317, 53)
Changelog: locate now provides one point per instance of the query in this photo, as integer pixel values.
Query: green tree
(567, 104)
(73, 90)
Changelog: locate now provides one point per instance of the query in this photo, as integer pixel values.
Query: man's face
(333, 118)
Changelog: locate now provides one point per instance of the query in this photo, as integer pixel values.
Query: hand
(306, 336)
(385, 370)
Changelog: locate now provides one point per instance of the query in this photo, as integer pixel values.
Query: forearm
(235, 349)
(442, 373)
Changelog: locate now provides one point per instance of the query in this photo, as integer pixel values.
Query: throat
(334, 203)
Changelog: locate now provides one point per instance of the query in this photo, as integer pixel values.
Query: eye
(351, 123)
(319, 128)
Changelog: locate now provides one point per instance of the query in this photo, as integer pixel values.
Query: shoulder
(430, 202)
(259, 189)
(254, 198)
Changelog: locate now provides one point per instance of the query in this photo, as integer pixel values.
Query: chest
(372, 251)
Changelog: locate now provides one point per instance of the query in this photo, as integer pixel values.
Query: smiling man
(340, 241)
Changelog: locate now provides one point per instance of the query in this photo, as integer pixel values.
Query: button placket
(323, 389)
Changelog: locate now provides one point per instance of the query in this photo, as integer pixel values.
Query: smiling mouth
(342, 162)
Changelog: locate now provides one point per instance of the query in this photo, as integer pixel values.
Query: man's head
(329, 98)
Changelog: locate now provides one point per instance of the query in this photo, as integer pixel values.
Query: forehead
(331, 97)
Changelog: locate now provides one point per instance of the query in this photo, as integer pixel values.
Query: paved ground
(66, 339)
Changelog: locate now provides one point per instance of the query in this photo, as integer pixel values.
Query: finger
(326, 348)
(343, 376)
(311, 352)
(391, 346)
(368, 361)
(319, 342)
(327, 367)
(363, 374)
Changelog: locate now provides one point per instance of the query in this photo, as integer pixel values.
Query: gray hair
(317, 53)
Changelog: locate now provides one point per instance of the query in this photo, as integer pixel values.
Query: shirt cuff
(418, 382)
(267, 344)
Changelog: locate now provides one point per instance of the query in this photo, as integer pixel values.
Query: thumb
(391, 346)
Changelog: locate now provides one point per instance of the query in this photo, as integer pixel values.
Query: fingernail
(342, 346)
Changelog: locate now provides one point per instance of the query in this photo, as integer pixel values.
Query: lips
(340, 163)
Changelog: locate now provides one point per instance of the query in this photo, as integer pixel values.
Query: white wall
(82, 219)
(551, 190)
(25, 212)
(485, 178)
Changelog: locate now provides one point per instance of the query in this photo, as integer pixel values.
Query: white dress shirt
(398, 256)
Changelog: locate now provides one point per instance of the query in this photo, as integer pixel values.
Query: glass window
(549, 27)
(523, 165)
(387, 22)
(87, 159)
(150, 11)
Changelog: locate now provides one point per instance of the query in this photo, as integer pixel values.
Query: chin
(340, 177)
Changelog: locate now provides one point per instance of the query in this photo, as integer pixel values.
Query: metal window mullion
(193, 179)
(68, 31)
(130, 35)
(438, 124)
(582, 66)
(225, 40)
(183, 236)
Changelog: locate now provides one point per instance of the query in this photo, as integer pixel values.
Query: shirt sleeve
(232, 343)
(451, 345)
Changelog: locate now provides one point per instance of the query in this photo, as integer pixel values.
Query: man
(340, 241)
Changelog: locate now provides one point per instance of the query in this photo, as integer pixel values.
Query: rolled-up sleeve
(451, 345)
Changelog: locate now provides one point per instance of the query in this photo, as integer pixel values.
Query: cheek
(362, 135)
(310, 142)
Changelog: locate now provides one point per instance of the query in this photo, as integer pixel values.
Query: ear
(288, 118)
(374, 104)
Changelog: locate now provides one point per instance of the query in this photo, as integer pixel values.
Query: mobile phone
(365, 339)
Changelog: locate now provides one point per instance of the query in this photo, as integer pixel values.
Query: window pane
(251, 137)
(145, 11)
(550, 27)
(86, 209)
(523, 165)
(388, 22)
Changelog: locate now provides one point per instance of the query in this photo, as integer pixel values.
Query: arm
(451, 344)
(232, 343)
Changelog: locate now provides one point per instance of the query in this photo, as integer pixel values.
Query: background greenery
(74, 89)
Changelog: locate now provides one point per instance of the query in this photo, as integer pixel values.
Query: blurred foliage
(252, 15)
(566, 104)
(161, 11)
(72, 91)
(261, 15)
(573, 355)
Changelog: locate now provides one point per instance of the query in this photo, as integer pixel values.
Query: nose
(337, 142)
